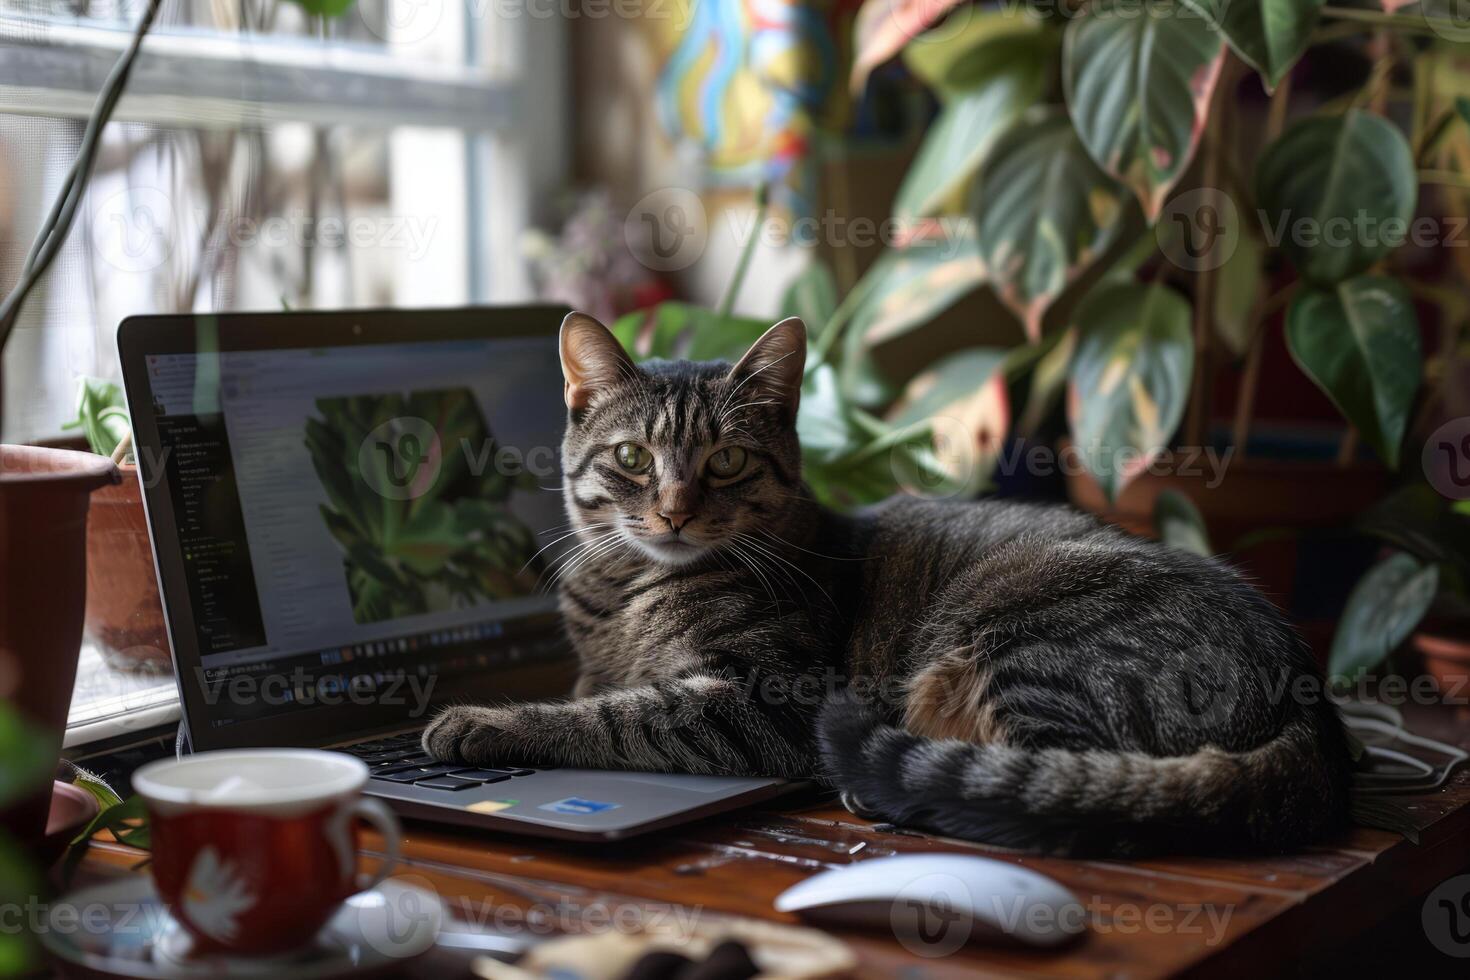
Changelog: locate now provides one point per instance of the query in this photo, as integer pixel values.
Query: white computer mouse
(941, 901)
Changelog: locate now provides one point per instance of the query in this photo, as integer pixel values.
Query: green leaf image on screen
(418, 503)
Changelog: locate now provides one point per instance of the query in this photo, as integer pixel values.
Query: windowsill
(107, 703)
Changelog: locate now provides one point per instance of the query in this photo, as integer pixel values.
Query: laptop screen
(355, 518)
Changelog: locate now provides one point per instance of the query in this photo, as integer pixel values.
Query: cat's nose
(676, 519)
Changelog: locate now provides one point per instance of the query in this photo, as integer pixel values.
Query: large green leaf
(952, 57)
(964, 399)
(1338, 193)
(1045, 212)
(913, 285)
(986, 85)
(1269, 35)
(1381, 612)
(1138, 86)
(1006, 83)
(1130, 378)
(1359, 342)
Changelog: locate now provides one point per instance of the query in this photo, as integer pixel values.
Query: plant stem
(762, 200)
(1197, 420)
(1263, 305)
(1348, 447)
(844, 260)
(832, 329)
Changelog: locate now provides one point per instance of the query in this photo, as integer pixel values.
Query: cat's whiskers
(758, 568)
(603, 545)
(777, 556)
(574, 555)
(563, 537)
(816, 554)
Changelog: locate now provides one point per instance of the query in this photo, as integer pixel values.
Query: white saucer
(123, 929)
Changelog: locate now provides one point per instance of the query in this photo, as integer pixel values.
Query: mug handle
(376, 813)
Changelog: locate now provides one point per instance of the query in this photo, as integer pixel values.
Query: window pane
(422, 30)
(179, 219)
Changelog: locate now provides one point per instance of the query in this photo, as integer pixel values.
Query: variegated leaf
(1138, 86)
(1383, 609)
(1044, 212)
(883, 27)
(915, 284)
(1359, 342)
(1347, 180)
(1130, 378)
(985, 92)
(1269, 35)
(964, 398)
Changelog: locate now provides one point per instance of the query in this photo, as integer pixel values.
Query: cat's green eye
(633, 457)
(727, 462)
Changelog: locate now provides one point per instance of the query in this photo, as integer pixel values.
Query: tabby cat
(1004, 672)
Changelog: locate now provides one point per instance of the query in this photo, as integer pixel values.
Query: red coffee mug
(254, 849)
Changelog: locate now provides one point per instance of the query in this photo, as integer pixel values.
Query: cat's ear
(773, 366)
(591, 359)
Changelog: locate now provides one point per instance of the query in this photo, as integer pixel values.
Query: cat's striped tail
(1281, 793)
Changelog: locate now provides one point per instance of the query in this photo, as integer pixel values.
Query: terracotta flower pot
(1446, 652)
(124, 615)
(43, 580)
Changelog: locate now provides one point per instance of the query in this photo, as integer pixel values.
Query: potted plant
(1174, 217)
(1417, 592)
(124, 615)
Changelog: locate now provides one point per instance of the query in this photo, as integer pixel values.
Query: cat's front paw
(463, 733)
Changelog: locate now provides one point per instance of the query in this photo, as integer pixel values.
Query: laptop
(352, 516)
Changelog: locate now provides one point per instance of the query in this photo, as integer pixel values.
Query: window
(263, 157)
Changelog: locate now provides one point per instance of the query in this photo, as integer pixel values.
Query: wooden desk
(1208, 916)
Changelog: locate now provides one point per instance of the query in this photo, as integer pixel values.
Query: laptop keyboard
(401, 759)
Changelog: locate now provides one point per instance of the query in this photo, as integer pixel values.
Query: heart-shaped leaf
(1130, 378)
(951, 57)
(1269, 35)
(1138, 86)
(883, 27)
(1338, 193)
(1044, 212)
(1179, 523)
(994, 85)
(1381, 612)
(963, 397)
(1359, 342)
(913, 285)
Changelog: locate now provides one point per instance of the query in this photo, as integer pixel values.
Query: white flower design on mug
(215, 896)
